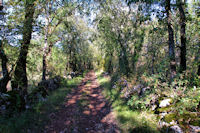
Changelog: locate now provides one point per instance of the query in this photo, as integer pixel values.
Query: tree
(54, 15)
(171, 40)
(4, 60)
(49, 28)
(20, 76)
(183, 36)
(6, 77)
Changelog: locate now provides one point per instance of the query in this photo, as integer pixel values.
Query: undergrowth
(140, 121)
(151, 103)
(35, 119)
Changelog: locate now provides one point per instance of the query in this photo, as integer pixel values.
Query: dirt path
(85, 111)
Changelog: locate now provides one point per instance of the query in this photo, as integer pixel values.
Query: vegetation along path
(85, 111)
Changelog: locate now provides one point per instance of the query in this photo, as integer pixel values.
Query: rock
(27, 106)
(2, 109)
(129, 91)
(114, 87)
(4, 96)
(105, 73)
(142, 90)
(69, 77)
(49, 85)
(41, 92)
(163, 124)
(195, 129)
(176, 129)
(98, 126)
(64, 131)
(165, 103)
(153, 107)
(162, 115)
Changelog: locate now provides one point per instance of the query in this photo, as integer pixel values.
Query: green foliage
(129, 40)
(35, 119)
(129, 120)
(136, 103)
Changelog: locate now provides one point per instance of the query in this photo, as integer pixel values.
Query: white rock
(176, 129)
(69, 77)
(162, 123)
(114, 87)
(153, 107)
(195, 129)
(165, 103)
(162, 115)
(173, 122)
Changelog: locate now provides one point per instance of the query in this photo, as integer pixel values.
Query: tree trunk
(171, 40)
(183, 37)
(46, 55)
(198, 60)
(1, 5)
(44, 61)
(4, 81)
(44, 67)
(137, 50)
(153, 60)
(123, 59)
(20, 76)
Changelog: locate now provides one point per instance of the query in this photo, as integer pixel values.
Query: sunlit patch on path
(85, 111)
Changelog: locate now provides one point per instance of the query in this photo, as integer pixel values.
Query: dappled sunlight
(86, 110)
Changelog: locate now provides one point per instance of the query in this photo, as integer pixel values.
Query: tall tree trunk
(123, 59)
(137, 50)
(4, 81)
(46, 55)
(183, 37)
(44, 65)
(171, 40)
(44, 61)
(153, 60)
(197, 58)
(20, 76)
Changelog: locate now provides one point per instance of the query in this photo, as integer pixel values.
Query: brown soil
(85, 111)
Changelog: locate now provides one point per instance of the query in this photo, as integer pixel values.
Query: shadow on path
(85, 111)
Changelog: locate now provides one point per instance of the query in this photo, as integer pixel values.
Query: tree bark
(20, 76)
(198, 73)
(4, 81)
(153, 60)
(123, 59)
(44, 61)
(171, 40)
(198, 60)
(183, 37)
(44, 67)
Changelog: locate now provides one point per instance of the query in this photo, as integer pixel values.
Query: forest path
(85, 111)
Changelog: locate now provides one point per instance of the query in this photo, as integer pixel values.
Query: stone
(165, 103)
(127, 92)
(195, 129)
(176, 129)
(162, 115)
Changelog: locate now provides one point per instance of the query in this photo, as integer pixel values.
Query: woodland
(100, 66)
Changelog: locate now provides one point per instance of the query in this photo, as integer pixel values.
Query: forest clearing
(99, 66)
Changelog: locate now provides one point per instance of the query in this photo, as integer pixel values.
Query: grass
(35, 120)
(130, 121)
